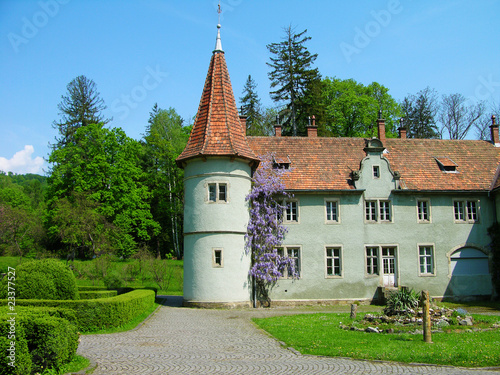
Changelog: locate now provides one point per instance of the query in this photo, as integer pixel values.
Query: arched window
(468, 261)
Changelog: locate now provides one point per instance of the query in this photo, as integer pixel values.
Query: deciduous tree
(458, 116)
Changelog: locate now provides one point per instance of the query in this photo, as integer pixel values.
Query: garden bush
(52, 341)
(43, 279)
(113, 281)
(402, 301)
(102, 313)
(22, 358)
(98, 294)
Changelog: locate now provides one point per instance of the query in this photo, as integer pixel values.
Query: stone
(372, 330)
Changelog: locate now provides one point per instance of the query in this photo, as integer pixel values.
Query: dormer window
(446, 164)
(281, 162)
(376, 171)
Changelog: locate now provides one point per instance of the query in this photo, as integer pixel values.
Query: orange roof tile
(217, 130)
(327, 163)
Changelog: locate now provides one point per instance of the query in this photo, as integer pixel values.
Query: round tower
(217, 164)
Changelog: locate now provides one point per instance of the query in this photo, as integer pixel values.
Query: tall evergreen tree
(292, 72)
(251, 108)
(81, 106)
(419, 112)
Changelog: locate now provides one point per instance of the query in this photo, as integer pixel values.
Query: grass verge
(320, 334)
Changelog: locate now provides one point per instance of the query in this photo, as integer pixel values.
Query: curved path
(196, 341)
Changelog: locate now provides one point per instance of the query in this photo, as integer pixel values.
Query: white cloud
(22, 162)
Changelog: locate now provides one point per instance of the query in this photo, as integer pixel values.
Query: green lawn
(320, 334)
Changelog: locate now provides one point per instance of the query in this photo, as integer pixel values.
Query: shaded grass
(320, 334)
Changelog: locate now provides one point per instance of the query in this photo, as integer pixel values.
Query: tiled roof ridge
(225, 105)
(210, 80)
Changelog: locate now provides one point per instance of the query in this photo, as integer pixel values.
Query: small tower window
(217, 260)
(217, 192)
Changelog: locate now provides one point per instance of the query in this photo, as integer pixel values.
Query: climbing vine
(265, 230)
(494, 232)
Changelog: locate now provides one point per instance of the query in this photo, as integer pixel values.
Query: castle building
(367, 215)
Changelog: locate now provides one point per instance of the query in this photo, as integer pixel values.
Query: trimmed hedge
(43, 339)
(17, 341)
(43, 279)
(91, 288)
(102, 313)
(98, 294)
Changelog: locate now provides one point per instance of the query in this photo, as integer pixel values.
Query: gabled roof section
(217, 130)
(328, 163)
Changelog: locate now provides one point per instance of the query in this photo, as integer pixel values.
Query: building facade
(366, 215)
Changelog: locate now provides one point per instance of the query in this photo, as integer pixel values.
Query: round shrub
(22, 358)
(113, 281)
(43, 279)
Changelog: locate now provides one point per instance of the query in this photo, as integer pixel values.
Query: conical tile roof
(217, 130)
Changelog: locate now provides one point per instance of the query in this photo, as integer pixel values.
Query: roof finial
(218, 43)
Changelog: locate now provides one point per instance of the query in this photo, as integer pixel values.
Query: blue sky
(144, 52)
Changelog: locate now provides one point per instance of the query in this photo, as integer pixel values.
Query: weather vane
(219, 11)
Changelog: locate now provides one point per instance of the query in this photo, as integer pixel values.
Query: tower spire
(218, 43)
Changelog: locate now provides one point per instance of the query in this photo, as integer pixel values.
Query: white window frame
(289, 249)
(334, 258)
(467, 213)
(376, 172)
(420, 213)
(429, 260)
(377, 209)
(287, 214)
(336, 202)
(215, 264)
(217, 192)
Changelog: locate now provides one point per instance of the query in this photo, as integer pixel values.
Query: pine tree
(419, 113)
(81, 106)
(292, 73)
(251, 108)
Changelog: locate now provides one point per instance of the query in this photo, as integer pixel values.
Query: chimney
(277, 127)
(243, 121)
(312, 130)
(494, 132)
(402, 129)
(381, 127)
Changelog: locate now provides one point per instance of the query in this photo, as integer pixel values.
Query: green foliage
(164, 140)
(252, 109)
(43, 279)
(291, 73)
(52, 341)
(420, 111)
(113, 281)
(94, 294)
(23, 361)
(102, 313)
(81, 106)
(352, 108)
(401, 301)
(104, 164)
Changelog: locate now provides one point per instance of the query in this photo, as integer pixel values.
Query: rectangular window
(372, 260)
(332, 211)
(333, 261)
(378, 210)
(217, 192)
(293, 253)
(217, 260)
(425, 254)
(466, 211)
(385, 210)
(423, 211)
(376, 171)
(371, 210)
(292, 211)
